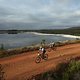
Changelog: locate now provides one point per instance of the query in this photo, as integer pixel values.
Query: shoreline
(62, 35)
(46, 34)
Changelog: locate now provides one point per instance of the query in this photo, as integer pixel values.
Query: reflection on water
(25, 39)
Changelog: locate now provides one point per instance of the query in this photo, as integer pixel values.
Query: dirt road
(23, 66)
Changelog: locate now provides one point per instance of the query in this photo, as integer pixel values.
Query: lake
(29, 38)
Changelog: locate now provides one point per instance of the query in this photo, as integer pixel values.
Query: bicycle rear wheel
(46, 57)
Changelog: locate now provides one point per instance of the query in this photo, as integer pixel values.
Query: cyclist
(52, 45)
(42, 51)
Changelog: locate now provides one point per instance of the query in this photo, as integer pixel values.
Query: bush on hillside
(64, 71)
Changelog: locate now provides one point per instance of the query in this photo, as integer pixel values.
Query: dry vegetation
(6, 53)
(64, 71)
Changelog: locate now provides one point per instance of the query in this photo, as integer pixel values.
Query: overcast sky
(40, 13)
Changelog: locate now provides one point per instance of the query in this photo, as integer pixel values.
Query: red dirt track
(23, 66)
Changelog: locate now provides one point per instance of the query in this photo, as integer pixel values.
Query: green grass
(64, 71)
(73, 68)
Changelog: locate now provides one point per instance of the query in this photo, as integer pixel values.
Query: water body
(30, 38)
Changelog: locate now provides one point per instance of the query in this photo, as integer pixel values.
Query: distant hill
(74, 27)
(71, 31)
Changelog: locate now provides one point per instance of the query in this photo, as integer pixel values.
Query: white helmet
(40, 47)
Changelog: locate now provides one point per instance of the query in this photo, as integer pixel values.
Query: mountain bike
(40, 57)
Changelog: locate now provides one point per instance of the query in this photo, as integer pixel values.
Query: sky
(39, 14)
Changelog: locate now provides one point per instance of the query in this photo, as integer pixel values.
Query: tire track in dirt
(23, 66)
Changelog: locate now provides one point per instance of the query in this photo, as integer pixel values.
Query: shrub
(72, 69)
(64, 71)
(2, 47)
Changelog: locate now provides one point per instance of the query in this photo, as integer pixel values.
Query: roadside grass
(64, 71)
(16, 51)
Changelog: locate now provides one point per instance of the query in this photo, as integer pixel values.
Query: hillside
(23, 66)
(71, 31)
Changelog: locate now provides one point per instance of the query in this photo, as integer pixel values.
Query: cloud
(41, 12)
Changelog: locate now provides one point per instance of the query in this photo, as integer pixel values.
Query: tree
(2, 47)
